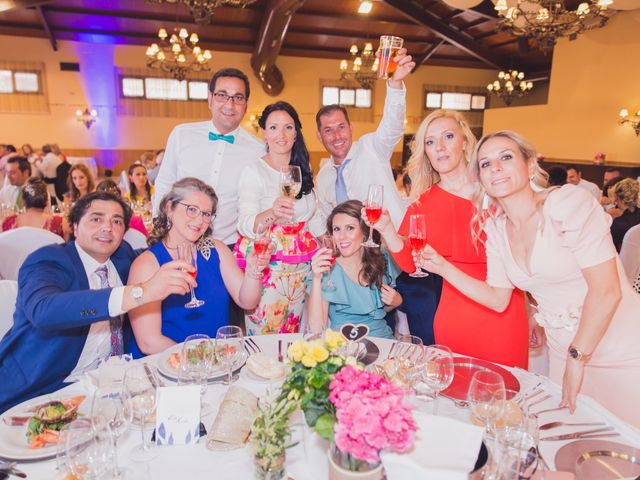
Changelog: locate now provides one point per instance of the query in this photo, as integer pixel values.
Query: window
(455, 101)
(346, 96)
(153, 88)
(12, 81)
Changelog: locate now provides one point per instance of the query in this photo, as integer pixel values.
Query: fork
(254, 345)
(550, 425)
(393, 346)
(280, 351)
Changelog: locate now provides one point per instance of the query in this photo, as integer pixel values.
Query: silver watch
(137, 293)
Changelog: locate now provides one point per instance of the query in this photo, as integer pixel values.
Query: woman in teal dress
(361, 279)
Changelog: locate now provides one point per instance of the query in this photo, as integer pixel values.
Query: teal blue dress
(354, 303)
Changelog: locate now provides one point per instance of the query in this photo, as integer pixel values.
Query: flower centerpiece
(599, 158)
(359, 412)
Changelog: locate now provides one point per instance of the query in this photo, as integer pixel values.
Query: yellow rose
(296, 350)
(353, 361)
(319, 353)
(308, 361)
(333, 339)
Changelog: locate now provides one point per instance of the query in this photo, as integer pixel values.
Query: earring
(485, 201)
(169, 224)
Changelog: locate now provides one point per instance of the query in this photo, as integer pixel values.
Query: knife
(588, 433)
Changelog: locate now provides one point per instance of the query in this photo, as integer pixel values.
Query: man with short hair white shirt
(574, 176)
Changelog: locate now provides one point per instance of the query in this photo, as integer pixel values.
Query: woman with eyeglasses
(290, 223)
(185, 216)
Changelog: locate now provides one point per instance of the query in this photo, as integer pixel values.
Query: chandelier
(632, 120)
(87, 116)
(547, 20)
(509, 85)
(364, 67)
(202, 10)
(178, 55)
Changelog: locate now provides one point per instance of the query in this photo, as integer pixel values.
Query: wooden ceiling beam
(424, 58)
(470, 45)
(273, 29)
(47, 29)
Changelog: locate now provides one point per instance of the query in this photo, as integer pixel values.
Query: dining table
(307, 460)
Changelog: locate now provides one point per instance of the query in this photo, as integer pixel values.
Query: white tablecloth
(308, 459)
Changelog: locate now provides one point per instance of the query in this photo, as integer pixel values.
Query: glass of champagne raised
(188, 252)
(373, 208)
(290, 182)
(389, 47)
(417, 240)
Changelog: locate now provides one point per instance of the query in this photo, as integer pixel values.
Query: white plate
(218, 371)
(13, 439)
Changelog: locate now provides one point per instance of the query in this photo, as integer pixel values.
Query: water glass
(482, 391)
(436, 370)
(140, 386)
(229, 349)
(89, 448)
(113, 407)
(389, 47)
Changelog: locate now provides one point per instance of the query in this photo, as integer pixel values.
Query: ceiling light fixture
(364, 67)
(202, 10)
(509, 85)
(179, 55)
(365, 6)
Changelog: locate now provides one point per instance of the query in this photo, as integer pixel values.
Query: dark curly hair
(83, 204)
(177, 194)
(374, 263)
(299, 152)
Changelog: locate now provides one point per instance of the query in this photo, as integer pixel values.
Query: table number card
(178, 415)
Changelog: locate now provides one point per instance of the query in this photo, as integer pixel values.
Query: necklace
(168, 247)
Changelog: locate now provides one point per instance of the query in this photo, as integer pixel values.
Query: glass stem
(143, 419)
(230, 374)
(193, 295)
(117, 473)
(435, 403)
(370, 239)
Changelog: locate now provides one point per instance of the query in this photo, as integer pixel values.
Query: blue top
(179, 322)
(354, 303)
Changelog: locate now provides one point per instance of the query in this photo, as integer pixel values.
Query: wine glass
(417, 240)
(406, 353)
(290, 182)
(327, 283)
(188, 252)
(482, 391)
(140, 385)
(437, 370)
(229, 349)
(112, 406)
(261, 243)
(89, 448)
(373, 208)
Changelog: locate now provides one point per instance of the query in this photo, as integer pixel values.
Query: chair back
(136, 239)
(8, 294)
(630, 253)
(17, 244)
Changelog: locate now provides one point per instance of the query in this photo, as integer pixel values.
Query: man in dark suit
(70, 301)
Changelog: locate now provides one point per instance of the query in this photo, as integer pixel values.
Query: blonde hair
(627, 192)
(419, 168)
(485, 206)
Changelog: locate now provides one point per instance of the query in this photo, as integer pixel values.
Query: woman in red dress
(442, 190)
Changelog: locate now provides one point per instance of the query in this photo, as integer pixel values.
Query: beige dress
(575, 235)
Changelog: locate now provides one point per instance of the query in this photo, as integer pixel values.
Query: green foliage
(270, 430)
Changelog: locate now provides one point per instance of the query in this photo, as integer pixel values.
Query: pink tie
(115, 324)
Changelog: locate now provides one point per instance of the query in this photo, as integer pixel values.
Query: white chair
(630, 253)
(135, 238)
(8, 294)
(17, 244)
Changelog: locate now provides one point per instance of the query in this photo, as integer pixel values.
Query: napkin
(232, 424)
(445, 449)
(109, 374)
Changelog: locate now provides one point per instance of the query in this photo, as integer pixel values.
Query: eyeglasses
(195, 212)
(237, 99)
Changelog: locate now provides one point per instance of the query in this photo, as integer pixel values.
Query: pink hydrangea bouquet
(371, 416)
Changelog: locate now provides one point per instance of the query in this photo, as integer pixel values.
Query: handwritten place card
(178, 415)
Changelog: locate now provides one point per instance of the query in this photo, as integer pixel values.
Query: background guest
(626, 200)
(29, 153)
(36, 214)
(136, 221)
(557, 176)
(140, 190)
(574, 176)
(362, 278)
(261, 204)
(185, 216)
(80, 181)
(18, 171)
(47, 168)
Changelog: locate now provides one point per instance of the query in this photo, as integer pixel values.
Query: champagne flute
(327, 283)
(140, 385)
(482, 390)
(112, 406)
(188, 252)
(229, 349)
(290, 183)
(417, 240)
(373, 208)
(438, 370)
(261, 243)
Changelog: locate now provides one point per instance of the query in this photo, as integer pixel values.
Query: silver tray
(599, 460)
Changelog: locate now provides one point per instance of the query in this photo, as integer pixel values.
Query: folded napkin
(109, 374)
(445, 449)
(232, 424)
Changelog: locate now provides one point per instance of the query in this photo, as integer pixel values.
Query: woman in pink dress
(555, 244)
